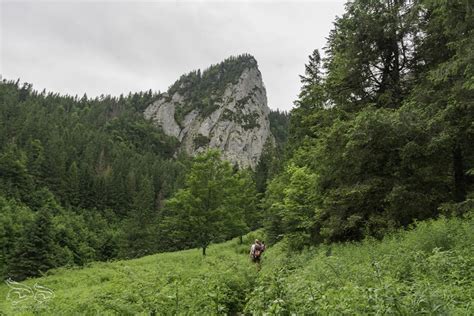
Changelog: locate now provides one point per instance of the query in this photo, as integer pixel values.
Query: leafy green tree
(242, 203)
(265, 170)
(36, 158)
(300, 207)
(279, 127)
(274, 207)
(247, 199)
(140, 226)
(14, 178)
(200, 213)
(73, 187)
(312, 99)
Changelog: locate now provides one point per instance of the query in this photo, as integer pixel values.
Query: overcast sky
(113, 47)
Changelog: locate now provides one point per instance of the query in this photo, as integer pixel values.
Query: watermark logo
(20, 293)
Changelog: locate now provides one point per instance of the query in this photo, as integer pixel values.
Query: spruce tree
(312, 74)
(34, 251)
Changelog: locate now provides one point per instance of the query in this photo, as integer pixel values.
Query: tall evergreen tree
(312, 76)
(34, 251)
(386, 131)
(445, 95)
(371, 53)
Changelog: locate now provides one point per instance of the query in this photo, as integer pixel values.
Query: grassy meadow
(426, 270)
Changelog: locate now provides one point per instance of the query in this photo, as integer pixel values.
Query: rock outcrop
(225, 107)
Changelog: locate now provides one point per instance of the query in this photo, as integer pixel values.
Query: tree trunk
(241, 240)
(204, 250)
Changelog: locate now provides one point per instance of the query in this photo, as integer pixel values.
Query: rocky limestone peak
(224, 107)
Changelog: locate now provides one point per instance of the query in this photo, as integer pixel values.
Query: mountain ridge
(224, 107)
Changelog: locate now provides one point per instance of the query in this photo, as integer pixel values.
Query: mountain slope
(90, 168)
(225, 107)
(428, 270)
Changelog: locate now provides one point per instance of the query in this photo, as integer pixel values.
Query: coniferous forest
(382, 133)
(369, 180)
(77, 178)
(85, 179)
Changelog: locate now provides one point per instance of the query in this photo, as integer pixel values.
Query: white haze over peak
(113, 47)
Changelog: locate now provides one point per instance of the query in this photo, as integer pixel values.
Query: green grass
(428, 270)
(181, 282)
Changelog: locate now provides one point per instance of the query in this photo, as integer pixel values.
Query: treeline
(273, 155)
(81, 179)
(382, 131)
(86, 179)
(381, 136)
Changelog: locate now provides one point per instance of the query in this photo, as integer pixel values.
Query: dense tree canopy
(215, 204)
(86, 179)
(80, 179)
(380, 137)
(382, 131)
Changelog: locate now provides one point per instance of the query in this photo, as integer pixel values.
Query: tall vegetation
(215, 204)
(274, 151)
(427, 270)
(381, 137)
(81, 179)
(85, 179)
(382, 132)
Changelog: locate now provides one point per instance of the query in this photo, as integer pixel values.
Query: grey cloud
(114, 47)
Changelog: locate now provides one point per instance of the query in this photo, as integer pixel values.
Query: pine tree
(34, 251)
(312, 74)
(73, 187)
(371, 54)
(140, 227)
(14, 178)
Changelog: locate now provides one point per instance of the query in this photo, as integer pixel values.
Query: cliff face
(225, 107)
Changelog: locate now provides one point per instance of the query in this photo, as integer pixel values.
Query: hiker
(256, 251)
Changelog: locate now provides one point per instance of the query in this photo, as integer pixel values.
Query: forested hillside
(79, 179)
(86, 179)
(364, 193)
(273, 156)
